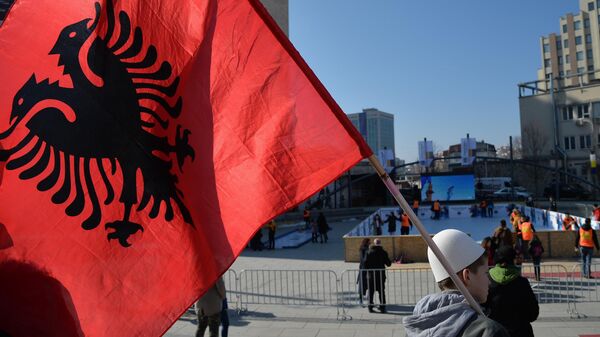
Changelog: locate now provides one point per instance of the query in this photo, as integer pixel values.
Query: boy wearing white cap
(447, 313)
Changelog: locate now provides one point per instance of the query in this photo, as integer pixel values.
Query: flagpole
(415, 220)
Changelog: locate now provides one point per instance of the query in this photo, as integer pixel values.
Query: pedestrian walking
(568, 223)
(536, 249)
(502, 235)
(483, 208)
(391, 221)
(306, 217)
(225, 319)
(376, 261)
(323, 227)
(525, 234)
(256, 241)
(552, 204)
(405, 225)
(596, 212)
(436, 209)
(314, 231)
(272, 227)
(377, 225)
(510, 300)
(209, 308)
(490, 248)
(415, 206)
(490, 208)
(362, 279)
(586, 240)
(447, 313)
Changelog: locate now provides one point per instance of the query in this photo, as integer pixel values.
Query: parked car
(571, 190)
(507, 192)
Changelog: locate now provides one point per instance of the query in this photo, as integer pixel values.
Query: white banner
(425, 153)
(467, 151)
(386, 157)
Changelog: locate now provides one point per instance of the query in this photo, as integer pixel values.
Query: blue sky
(443, 68)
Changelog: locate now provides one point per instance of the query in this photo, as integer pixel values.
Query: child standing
(535, 251)
(447, 313)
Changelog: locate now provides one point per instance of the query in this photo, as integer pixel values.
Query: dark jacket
(322, 224)
(511, 301)
(391, 220)
(503, 236)
(377, 258)
(447, 314)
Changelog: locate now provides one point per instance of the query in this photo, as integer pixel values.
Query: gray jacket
(212, 301)
(447, 314)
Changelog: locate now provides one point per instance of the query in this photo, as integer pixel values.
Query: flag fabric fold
(142, 144)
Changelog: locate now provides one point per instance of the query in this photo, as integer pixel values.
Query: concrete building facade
(560, 111)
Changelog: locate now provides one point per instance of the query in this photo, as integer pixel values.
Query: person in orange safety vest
(569, 223)
(525, 232)
(585, 242)
(436, 209)
(406, 224)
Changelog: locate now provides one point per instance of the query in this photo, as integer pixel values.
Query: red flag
(145, 142)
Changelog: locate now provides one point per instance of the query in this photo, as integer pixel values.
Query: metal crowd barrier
(289, 287)
(403, 287)
(584, 289)
(553, 286)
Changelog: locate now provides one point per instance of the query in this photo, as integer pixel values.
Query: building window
(586, 23)
(560, 60)
(585, 142)
(561, 73)
(580, 70)
(567, 112)
(546, 62)
(577, 25)
(588, 38)
(577, 40)
(570, 143)
(558, 44)
(579, 56)
(546, 48)
(591, 67)
(589, 54)
(590, 6)
(567, 59)
(583, 111)
(564, 28)
(566, 43)
(597, 3)
(548, 75)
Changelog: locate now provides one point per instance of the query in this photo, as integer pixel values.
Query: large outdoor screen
(447, 187)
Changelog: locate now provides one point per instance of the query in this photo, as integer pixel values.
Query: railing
(583, 288)
(402, 287)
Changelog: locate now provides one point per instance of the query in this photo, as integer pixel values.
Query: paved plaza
(322, 321)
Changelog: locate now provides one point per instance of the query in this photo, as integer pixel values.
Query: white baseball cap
(458, 248)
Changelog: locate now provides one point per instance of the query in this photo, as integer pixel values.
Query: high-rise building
(376, 127)
(560, 111)
(279, 10)
(575, 50)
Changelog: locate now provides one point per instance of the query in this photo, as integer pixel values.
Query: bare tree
(533, 143)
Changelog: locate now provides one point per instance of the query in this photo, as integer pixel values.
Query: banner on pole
(467, 151)
(425, 153)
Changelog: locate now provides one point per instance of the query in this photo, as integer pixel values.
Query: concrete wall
(557, 244)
